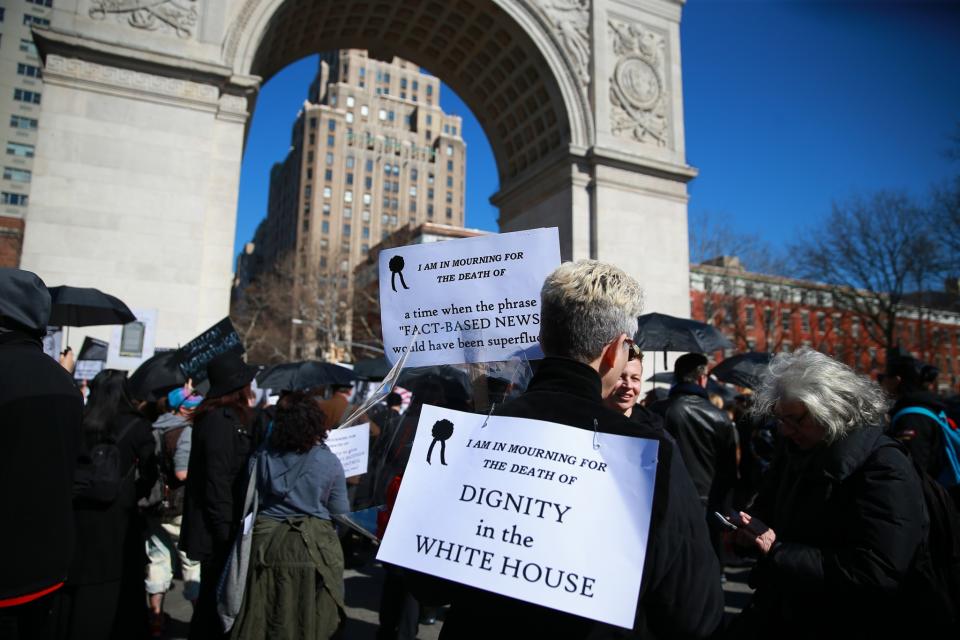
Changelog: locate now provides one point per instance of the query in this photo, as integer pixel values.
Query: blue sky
(789, 106)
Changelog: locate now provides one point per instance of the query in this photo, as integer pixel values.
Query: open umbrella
(296, 376)
(743, 369)
(372, 368)
(663, 377)
(156, 376)
(83, 307)
(660, 332)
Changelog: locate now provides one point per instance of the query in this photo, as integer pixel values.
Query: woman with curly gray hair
(840, 518)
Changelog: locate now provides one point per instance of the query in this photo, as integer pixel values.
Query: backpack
(100, 475)
(950, 475)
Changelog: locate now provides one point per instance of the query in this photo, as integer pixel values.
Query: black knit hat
(227, 373)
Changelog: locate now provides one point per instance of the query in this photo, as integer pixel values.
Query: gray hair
(839, 399)
(584, 305)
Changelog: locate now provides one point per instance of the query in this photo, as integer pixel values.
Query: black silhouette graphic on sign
(396, 266)
(442, 430)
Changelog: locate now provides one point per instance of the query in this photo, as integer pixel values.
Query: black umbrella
(156, 376)
(660, 332)
(372, 368)
(296, 376)
(665, 377)
(80, 307)
(743, 369)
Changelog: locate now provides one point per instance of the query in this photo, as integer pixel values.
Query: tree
(261, 313)
(872, 251)
(725, 255)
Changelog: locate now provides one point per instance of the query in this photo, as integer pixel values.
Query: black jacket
(922, 436)
(680, 594)
(40, 414)
(103, 529)
(707, 440)
(849, 519)
(216, 483)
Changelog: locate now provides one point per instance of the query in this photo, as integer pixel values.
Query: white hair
(838, 398)
(584, 305)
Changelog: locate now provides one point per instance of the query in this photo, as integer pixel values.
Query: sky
(789, 106)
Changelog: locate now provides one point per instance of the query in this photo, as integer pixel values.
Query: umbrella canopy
(665, 377)
(743, 369)
(660, 332)
(156, 376)
(372, 368)
(82, 307)
(296, 376)
(454, 382)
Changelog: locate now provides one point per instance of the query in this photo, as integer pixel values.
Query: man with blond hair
(588, 317)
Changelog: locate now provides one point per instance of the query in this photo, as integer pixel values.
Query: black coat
(922, 436)
(103, 529)
(680, 593)
(40, 414)
(849, 519)
(707, 440)
(216, 483)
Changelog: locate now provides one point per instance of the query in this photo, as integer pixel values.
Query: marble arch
(146, 105)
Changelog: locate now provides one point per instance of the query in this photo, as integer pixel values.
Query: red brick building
(11, 241)
(761, 312)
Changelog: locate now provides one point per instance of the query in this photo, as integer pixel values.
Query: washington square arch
(146, 105)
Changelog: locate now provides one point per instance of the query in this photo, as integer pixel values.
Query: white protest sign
(351, 446)
(527, 509)
(470, 300)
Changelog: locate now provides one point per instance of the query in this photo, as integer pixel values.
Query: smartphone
(724, 521)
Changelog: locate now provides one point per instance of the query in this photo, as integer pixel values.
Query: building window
(430, 194)
(17, 175)
(323, 259)
(325, 226)
(350, 178)
(785, 320)
(413, 206)
(327, 192)
(2, 12)
(346, 229)
(386, 168)
(449, 150)
(20, 150)
(805, 321)
(313, 123)
(368, 183)
(40, 22)
(307, 192)
(449, 213)
(429, 210)
(350, 101)
(449, 167)
(349, 117)
(366, 233)
(309, 157)
(16, 199)
(364, 110)
(821, 323)
(751, 316)
(429, 178)
(347, 212)
(413, 191)
(382, 114)
(312, 140)
(413, 174)
(429, 119)
(22, 95)
(330, 141)
(367, 198)
(449, 197)
(28, 47)
(449, 182)
(28, 70)
(41, 3)
(331, 125)
(309, 173)
(348, 196)
(326, 209)
(328, 175)
(396, 169)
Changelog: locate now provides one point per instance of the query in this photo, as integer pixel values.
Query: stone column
(135, 190)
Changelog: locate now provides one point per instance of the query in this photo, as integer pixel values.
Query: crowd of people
(840, 492)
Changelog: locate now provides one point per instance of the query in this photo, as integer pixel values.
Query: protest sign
(92, 358)
(218, 339)
(52, 340)
(527, 509)
(351, 445)
(133, 344)
(463, 301)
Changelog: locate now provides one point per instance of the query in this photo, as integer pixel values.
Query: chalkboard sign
(218, 339)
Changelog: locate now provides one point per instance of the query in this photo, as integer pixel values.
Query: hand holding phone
(724, 522)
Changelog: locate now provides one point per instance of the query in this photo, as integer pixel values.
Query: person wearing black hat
(216, 480)
(908, 380)
(39, 442)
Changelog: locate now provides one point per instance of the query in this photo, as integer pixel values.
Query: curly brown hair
(298, 425)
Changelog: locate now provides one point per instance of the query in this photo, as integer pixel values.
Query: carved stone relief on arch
(174, 16)
(639, 94)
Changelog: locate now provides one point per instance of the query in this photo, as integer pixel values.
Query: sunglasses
(633, 351)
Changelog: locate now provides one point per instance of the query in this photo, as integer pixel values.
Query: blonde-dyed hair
(584, 305)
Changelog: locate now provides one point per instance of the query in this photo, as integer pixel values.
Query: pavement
(363, 597)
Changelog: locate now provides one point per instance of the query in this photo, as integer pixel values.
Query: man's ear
(609, 356)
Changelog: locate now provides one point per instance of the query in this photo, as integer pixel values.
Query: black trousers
(399, 610)
(89, 611)
(37, 620)
(205, 623)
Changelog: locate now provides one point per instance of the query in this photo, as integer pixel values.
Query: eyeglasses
(792, 421)
(633, 351)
